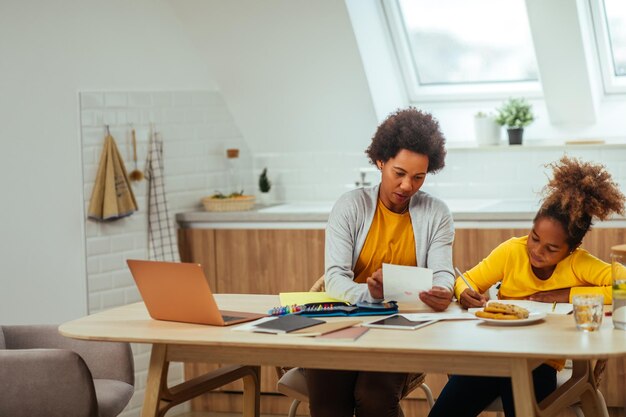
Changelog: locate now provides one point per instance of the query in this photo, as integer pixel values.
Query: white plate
(532, 317)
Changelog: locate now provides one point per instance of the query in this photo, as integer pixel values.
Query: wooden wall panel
(198, 246)
(473, 245)
(257, 262)
(599, 241)
(268, 261)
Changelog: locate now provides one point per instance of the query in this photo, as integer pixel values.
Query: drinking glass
(588, 311)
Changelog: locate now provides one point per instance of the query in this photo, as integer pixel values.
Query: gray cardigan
(350, 221)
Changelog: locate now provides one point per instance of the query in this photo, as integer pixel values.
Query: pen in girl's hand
(553, 306)
(463, 278)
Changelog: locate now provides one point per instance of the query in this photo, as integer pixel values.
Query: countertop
(467, 213)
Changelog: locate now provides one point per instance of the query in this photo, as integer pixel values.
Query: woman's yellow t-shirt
(390, 240)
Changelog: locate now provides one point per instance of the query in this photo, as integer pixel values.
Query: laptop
(176, 291)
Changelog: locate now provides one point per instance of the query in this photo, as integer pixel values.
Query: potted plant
(265, 185)
(515, 114)
(486, 129)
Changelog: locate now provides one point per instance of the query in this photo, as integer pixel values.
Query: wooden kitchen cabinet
(269, 261)
(252, 261)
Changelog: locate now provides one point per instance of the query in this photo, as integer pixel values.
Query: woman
(547, 265)
(393, 222)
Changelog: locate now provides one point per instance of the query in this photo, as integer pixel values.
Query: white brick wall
(491, 172)
(196, 128)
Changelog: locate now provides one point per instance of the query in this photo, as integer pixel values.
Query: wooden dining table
(465, 347)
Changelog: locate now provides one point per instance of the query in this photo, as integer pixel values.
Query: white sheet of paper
(444, 315)
(251, 325)
(404, 283)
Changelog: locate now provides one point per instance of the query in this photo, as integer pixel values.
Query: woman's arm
(439, 259)
(341, 235)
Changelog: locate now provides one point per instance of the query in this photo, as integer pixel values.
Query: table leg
(157, 375)
(523, 388)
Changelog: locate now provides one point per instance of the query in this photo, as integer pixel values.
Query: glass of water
(618, 272)
(588, 311)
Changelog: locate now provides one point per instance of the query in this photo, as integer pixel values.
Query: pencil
(463, 278)
(553, 306)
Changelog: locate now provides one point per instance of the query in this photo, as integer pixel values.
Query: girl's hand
(560, 296)
(375, 284)
(437, 298)
(470, 298)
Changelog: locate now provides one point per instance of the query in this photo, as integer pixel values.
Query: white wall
(49, 51)
(289, 70)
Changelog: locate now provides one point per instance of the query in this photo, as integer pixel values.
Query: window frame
(445, 92)
(613, 84)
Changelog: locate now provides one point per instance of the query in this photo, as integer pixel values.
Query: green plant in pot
(515, 114)
(265, 186)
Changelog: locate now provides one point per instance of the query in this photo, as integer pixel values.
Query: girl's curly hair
(409, 129)
(578, 193)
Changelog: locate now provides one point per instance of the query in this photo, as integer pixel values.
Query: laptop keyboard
(231, 318)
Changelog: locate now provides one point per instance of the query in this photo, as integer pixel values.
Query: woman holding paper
(395, 223)
(548, 265)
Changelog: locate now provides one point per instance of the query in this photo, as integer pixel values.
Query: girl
(547, 265)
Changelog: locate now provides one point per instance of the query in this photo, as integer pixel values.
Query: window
(609, 19)
(477, 49)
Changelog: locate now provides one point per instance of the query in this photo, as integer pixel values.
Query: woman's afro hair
(409, 129)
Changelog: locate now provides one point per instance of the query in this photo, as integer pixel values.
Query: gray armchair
(44, 374)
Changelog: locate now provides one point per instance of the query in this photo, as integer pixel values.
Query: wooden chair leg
(252, 392)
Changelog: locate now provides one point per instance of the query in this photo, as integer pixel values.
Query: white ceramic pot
(265, 199)
(487, 131)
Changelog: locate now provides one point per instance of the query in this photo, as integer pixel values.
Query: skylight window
(609, 17)
(457, 47)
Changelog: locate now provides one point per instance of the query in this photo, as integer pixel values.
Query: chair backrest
(319, 285)
(94, 353)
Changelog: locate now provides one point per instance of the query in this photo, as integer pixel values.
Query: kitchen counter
(467, 213)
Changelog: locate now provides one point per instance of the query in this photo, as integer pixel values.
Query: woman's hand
(375, 284)
(560, 296)
(437, 298)
(470, 298)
